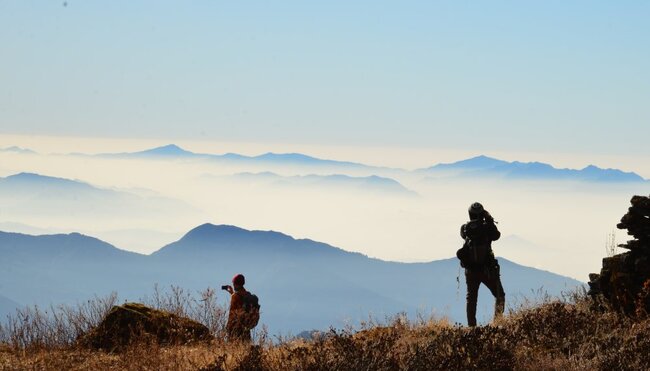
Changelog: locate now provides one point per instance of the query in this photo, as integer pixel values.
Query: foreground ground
(554, 335)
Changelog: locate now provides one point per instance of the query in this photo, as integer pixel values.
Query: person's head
(476, 211)
(238, 281)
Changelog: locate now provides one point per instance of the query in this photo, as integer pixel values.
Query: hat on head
(238, 280)
(476, 211)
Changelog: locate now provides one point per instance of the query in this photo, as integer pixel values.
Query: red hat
(239, 280)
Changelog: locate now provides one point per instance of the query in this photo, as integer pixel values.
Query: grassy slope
(554, 335)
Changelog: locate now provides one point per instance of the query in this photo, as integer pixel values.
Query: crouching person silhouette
(477, 257)
(244, 312)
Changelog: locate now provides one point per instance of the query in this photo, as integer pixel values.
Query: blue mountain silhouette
(28, 193)
(479, 166)
(295, 159)
(16, 149)
(30, 181)
(366, 184)
(168, 150)
(63, 268)
(302, 284)
(483, 166)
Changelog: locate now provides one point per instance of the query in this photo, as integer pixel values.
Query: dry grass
(557, 334)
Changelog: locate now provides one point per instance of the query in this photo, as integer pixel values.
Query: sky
(404, 84)
(553, 77)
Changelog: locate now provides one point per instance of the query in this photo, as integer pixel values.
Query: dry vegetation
(557, 334)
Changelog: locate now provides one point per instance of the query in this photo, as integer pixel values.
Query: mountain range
(365, 184)
(302, 284)
(172, 151)
(29, 194)
(483, 166)
(16, 149)
(479, 166)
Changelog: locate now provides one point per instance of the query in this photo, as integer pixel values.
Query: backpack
(474, 255)
(251, 308)
(476, 252)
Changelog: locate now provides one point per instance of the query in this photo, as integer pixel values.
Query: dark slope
(64, 268)
(302, 284)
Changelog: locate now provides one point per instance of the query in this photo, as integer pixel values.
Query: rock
(624, 280)
(134, 322)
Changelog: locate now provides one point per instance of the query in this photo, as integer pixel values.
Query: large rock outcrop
(134, 322)
(624, 280)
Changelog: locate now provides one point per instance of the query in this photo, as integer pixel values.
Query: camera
(224, 287)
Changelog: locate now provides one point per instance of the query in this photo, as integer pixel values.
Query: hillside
(64, 268)
(303, 284)
(555, 335)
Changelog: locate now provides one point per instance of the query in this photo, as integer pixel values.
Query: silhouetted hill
(60, 248)
(63, 268)
(168, 150)
(364, 184)
(478, 162)
(30, 182)
(28, 194)
(302, 284)
(482, 166)
(300, 159)
(16, 149)
(209, 239)
(479, 166)
(172, 151)
(319, 285)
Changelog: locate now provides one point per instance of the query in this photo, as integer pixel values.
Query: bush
(556, 334)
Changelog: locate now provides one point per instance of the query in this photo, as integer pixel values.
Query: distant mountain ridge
(303, 284)
(172, 150)
(33, 180)
(26, 194)
(479, 166)
(220, 239)
(16, 149)
(483, 166)
(365, 184)
(58, 246)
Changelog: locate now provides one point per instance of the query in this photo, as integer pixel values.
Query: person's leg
(473, 282)
(493, 282)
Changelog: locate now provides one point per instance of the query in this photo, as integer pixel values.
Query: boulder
(624, 280)
(134, 322)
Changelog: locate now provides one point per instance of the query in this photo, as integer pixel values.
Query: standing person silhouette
(237, 327)
(477, 257)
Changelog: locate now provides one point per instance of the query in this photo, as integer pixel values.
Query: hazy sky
(546, 76)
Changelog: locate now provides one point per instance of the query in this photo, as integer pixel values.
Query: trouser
(490, 277)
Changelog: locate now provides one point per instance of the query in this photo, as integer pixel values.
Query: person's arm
(236, 302)
(235, 305)
(463, 233)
